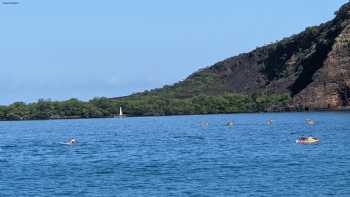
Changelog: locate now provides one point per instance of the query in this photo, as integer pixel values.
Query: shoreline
(208, 114)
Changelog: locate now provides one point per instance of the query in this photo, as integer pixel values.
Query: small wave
(105, 171)
(190, 137)
(7, 147)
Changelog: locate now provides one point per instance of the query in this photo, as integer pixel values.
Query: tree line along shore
(145, 105)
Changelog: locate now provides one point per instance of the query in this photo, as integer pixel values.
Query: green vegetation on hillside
(143, 105)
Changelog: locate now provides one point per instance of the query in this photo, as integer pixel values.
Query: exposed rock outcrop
(313, 67)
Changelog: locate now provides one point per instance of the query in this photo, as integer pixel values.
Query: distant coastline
(142, 107)
(174, 115)
(308, 71)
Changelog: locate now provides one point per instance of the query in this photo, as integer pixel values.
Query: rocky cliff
(313, 67)
(328, 86)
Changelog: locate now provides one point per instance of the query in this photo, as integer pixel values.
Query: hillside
(312, 67)
(307, 71)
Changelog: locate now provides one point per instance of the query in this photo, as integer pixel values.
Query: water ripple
(176, 156)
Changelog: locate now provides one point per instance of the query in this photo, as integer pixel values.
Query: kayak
(307, 140)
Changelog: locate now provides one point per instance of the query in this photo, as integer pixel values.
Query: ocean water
(177, 156)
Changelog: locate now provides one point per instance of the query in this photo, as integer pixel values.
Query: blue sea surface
(177, 156)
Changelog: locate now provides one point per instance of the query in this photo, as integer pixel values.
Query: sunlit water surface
(177, 156)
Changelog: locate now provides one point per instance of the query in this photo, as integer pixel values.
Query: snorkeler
(230, 123)
(269, 122)
(310, 122)
(72, 141)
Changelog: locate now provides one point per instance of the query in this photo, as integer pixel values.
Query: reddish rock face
(313, 67)
(330, 88)
(331, 84)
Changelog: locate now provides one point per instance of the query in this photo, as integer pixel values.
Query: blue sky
(61, 49)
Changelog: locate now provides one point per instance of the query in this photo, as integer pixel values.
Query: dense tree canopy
(142, 105)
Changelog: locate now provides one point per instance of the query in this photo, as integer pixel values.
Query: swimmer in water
(204, 124)
(230, 124)
(310, 122)
(269, 122)
(72, 141)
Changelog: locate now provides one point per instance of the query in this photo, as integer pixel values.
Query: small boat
(307, 140)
